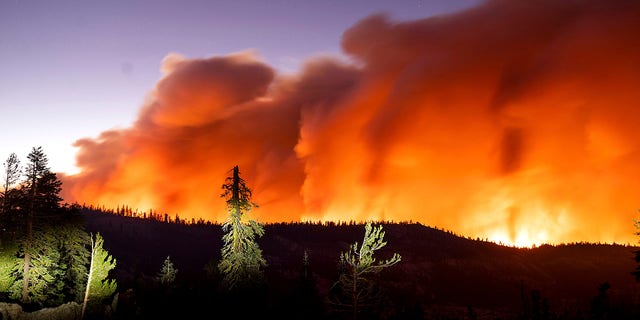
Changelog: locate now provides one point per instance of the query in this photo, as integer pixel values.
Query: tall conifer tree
(52, 268)
(241, 256)
(37, 169)
(12, 173)
(636, 272)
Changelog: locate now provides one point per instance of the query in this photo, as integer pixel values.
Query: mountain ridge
(438, 269)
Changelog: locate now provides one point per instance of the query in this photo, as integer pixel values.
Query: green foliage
(45, 274)
(354, 289)
(241, 256)
(51, 260)
(74, 255)
(167, 274)
(43, 253)
(361, 258)
(57, 271)
(36, 171)
(99, 288)
(8, 252)
(237, 194)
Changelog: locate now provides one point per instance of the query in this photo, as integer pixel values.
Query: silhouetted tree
(241, 256)
(636, 273)
(600, 303)
(356, 291)
(471, 314)
(536, 304)
(12, 173)
(306, 302)
(525, 302)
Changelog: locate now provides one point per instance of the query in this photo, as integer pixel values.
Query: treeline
(127, 211)
(154, 215)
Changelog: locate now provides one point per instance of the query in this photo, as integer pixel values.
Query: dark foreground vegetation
(441, 275)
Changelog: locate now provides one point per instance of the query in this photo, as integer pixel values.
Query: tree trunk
(235, 192)
(25, 281)
(86, 290)
(355, 294)
(27, 243)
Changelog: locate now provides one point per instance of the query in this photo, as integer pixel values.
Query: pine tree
(167, 274)
(355, 290)
(74, 257)
(8, 252)
(42, 187)
(12, 173)
(99, 287)
(241, 256)
(51, 267)
(8, 227)
(305, 301)
(46, 275)
(57, 271)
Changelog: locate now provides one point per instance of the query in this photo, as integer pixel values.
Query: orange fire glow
(516, 121)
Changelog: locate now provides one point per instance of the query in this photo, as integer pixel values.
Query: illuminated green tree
(99, 287)
(354, 289)
(40, 191)
(8, 261)
(74, 258)
(57, 271)
(167, 274)
(241, 256)
(47, 238)
(8, 245)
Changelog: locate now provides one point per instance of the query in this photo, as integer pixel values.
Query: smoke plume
(516, 121)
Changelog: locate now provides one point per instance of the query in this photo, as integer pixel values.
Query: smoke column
(516, 121)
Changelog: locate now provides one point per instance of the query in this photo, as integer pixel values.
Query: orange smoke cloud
(515, 121)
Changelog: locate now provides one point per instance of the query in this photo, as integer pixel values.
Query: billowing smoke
(517, 121)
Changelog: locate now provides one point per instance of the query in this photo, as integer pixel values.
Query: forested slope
(440, 272)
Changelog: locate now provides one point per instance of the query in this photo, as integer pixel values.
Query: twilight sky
(515, 121)
(72, 69)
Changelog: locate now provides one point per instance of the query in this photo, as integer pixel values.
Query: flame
(515, 122)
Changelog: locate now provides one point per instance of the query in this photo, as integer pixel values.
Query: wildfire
(513, 121)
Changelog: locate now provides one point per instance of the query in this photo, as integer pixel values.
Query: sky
(513, 121)
(72, 69)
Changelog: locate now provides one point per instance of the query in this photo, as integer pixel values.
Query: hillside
(440, 272)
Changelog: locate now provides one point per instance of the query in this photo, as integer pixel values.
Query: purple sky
(72, 69)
